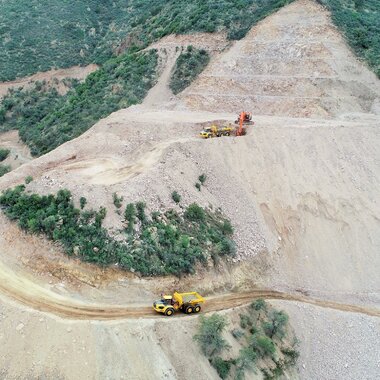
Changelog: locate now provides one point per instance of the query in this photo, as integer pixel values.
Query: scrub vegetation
(266, 342)
(158, 243)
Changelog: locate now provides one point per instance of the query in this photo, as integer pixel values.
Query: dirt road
(30, 294)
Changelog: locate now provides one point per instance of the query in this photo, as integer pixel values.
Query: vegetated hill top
(37, 36)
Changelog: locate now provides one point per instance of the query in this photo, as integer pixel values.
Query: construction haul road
(36, 297)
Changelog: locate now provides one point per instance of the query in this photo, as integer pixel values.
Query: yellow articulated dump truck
(215, 131)
(187, 302)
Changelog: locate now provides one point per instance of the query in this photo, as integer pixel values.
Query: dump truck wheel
(197, 308)
(189, 310)
(169, 312)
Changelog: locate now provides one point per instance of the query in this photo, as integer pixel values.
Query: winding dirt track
(32, 295)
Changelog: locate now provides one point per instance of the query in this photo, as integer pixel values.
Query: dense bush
(23, 109)
(360, 23)
(37, 36)
(187, 67)
(167, 243)
(4, 153)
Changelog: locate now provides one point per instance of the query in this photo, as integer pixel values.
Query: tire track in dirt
(30, 294)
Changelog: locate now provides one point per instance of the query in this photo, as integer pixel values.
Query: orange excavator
(244, 119)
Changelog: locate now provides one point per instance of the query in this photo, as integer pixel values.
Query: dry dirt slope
(302, 192)
(294, 63)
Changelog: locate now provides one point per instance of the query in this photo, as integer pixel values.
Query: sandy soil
(301, 192)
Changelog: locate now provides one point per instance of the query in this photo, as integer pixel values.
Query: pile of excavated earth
(301, 189)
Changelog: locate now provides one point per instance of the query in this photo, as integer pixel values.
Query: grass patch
(187, 67)
(156, 244)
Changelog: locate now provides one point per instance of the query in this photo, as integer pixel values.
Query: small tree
(198, 186)
(28, 179)
(202, 178)
(262, 345)
(209, 335)
(140, 207)
(246, 360)
(130, 215)
(276, 325)
(222, 367)
(195, 213)
(82, 202)
(117, 201)
(176, 197)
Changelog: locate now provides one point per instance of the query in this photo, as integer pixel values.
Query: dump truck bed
(190, 297)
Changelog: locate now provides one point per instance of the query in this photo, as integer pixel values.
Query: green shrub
(292, 355)
(187, 67)
(4, 153)
(28, 179)
(195, 213)
(222, 367)
(276, 326)
(246, 360)
(209, 336)
(117, 201)
(176, 197)
(245, 321)
(130, 216)
(202, 178)
(198, 186)
(258, 305)
(82, 202)
(140, 208)
(237, 334)
(262, 345)
(4, 169)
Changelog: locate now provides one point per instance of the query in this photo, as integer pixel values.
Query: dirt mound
(293, 63)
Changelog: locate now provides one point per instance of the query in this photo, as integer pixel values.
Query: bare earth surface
(301, 189)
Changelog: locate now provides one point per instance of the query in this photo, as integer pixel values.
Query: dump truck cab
(189, 303)
(209, 132)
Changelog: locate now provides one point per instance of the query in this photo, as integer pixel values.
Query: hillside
(292, 67)
(54, 34)
(300, 190)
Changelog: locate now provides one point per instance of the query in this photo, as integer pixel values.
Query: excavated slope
(294, 63)
(301, 193)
